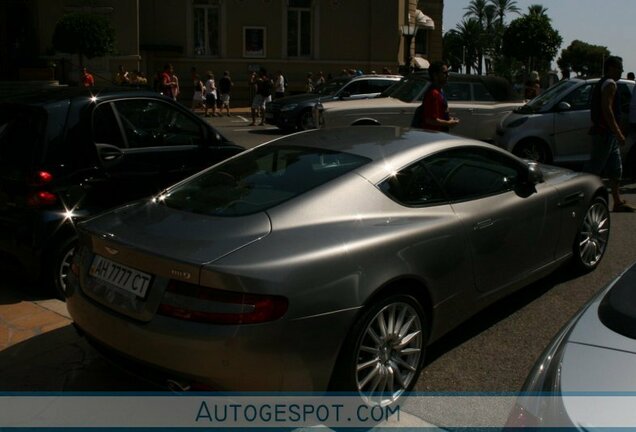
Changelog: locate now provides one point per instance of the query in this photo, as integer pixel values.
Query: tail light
(41, 198)
(197, 303)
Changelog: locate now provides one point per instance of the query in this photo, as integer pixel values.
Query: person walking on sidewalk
(210, 95)
(225, 87)
(263, 95)
(433, 113)
(607, 136)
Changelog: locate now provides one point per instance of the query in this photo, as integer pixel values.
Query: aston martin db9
(327, 259)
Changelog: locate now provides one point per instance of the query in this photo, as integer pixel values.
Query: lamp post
(408, 32)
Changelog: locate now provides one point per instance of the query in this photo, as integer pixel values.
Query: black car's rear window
(260, 179)
(22, 132)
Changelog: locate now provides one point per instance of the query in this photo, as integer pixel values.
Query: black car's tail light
(41, 199)
(197, 303)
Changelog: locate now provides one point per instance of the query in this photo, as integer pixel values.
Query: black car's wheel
(534, 150)
(59, 268)
(306, 120)
(384, 353)
(592, 237)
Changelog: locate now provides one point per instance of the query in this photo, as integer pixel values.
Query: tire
(381, 365)
(534, 150)
(592, 236)
(59, 268)
(306, 120)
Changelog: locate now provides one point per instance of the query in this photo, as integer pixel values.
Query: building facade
(295, 36)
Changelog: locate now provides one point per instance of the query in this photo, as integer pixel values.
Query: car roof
(498, 87)
(47, 95)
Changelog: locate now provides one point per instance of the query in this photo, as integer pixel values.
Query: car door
(145, 144)
(572, 140)
(506, 221)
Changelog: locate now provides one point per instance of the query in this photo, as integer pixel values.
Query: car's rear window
(260, 179)
(21, 136)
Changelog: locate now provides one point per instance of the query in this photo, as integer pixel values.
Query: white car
(554, 127)
(479, 102)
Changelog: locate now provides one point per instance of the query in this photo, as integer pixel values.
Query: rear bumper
(284, 355)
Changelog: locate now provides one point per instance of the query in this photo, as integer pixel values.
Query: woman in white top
(210, 95)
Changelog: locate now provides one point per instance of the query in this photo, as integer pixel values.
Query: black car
(295, 112)
(68, 153)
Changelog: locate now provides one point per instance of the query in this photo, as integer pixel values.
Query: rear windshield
(21, 135)
(259, 179)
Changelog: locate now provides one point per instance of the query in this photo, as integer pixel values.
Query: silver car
(589, 364)
(327, 259)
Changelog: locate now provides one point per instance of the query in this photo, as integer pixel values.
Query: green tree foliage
(532, 40)
(583, 58)
(86, 34)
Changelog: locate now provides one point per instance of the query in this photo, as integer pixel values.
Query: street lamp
(408, 31)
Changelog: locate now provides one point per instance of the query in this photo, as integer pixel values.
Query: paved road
(492, 352)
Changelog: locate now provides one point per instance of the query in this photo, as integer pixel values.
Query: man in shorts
(263, 95)
(225, 86)
(607, 136)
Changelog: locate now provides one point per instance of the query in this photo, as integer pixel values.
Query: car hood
(305, 97)
(372, 103)
(147, 226)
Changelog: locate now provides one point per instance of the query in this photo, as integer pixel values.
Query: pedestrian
(263, 96)
(279, 85)
(225, 87)
(166, 83)
(533, 86)
(320, 81)
(631, 76)
(175, 85)
(87, 78)
(198, 95)
(122, 77)
(309, 83)
(607, 136)
(433, 113)
(210, 95)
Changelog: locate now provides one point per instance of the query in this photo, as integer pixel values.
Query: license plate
(121, 276)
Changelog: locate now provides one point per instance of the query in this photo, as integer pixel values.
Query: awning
(420, 63)
(424, 21)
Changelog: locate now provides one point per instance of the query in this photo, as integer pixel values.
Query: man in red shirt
(435, 107)
(87, 78)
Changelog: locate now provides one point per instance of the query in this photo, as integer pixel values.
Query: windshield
(330, 88)
(408, 90)
(547, 97)
(259, 179)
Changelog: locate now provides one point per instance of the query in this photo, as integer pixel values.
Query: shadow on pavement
(61, 360)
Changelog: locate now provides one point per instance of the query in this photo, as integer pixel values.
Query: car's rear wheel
(384, 352)
(533, 149)
(592, 237)
(306, 120)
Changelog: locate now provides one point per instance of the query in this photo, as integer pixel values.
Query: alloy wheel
(389, 353)
(63, 270)
(594, 234)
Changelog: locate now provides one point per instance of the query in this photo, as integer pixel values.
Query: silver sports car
(326, 259)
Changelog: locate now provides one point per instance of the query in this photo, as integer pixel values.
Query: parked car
(295, 112)
(327, 259)
(66, 154)
(479, 102)
(554, 127)
(580, 379)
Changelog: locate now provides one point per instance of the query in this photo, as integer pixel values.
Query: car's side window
(457, 91)
(626, 97)
(378, 86)
(106, 130)
(481, 93)
(154, 123)
(356, 88)
(581, 98)
(413, 186)
(470, 173)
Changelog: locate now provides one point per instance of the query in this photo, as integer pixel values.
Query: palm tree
(476, 9)
(470, 31)
(537, 10)
(503, 7)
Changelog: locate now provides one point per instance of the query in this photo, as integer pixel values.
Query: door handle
(483, 224)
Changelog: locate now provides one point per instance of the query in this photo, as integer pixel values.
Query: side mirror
(564, 106)
(535, 175)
